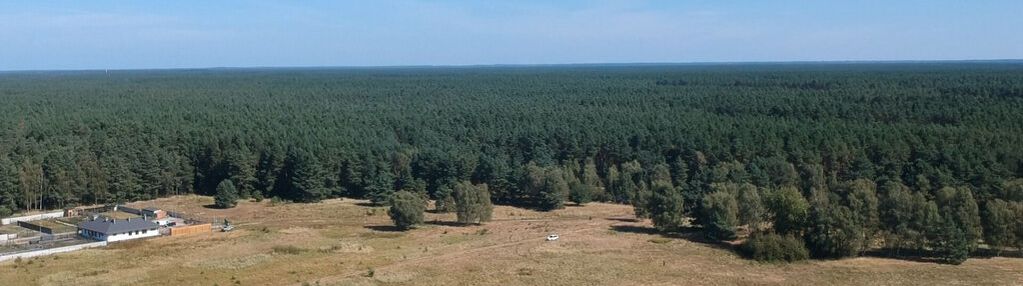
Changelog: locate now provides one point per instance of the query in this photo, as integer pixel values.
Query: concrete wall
(5, 237)
(52, 250)
(11, 220)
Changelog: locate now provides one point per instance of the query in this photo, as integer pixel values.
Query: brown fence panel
(191, 229)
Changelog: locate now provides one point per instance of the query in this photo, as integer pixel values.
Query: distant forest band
(926, 158)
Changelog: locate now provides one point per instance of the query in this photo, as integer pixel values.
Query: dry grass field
(345, 242)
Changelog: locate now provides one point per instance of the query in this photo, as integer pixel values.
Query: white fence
(11, 220)
(54, 250)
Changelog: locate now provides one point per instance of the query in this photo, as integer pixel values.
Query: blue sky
(99, 34)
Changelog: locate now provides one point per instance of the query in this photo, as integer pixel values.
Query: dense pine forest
(847, 157)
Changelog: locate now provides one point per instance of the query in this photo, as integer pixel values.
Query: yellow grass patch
(338, 242)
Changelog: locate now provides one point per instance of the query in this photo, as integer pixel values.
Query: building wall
(119, 236)
(127, 236)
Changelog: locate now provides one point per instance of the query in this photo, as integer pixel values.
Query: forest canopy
(531, 134)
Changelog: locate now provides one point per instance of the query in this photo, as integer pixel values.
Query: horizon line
(594, 64)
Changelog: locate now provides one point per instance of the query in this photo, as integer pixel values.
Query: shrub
(771, 247)
(287, 249)
(406, 209)
(276, 201)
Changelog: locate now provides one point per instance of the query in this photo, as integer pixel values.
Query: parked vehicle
(552, 237)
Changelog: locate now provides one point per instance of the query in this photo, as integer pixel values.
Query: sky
(102, 34)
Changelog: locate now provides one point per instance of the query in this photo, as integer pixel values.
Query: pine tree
(952, 244)
(241, 169)
(226, 195)
(8, 186)
(303, 178)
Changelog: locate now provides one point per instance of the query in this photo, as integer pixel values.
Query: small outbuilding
(111, 230)
(154, 213)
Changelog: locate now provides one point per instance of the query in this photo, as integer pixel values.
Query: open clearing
(345, 242)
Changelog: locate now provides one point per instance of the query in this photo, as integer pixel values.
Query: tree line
(911, 143)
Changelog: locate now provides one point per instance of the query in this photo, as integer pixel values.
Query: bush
(771, 247)
(287, 249)
(276, 201)
(406, 209)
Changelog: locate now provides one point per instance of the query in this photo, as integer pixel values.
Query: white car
(552, 237)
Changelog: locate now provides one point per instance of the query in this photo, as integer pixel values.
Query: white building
(117, 230)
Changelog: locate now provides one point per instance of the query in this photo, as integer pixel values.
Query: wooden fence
(191, 229)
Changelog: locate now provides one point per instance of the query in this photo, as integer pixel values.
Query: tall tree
(861, 197)
(666, 208)
(1000, 220)
(472, 203)
(241, 169)
(554, 190)
(580, 193)
(833, 230)
(752, 212)
(790, 210)
(720, 215)
(957, 204)
(226, 196)
(302, 179)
